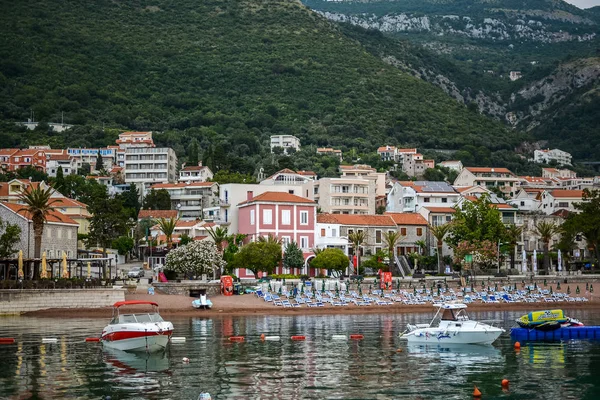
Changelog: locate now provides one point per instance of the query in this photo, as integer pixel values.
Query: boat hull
(150, 343)
(442, 336)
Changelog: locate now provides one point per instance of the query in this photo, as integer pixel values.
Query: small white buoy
(272, 338)
(49, 340)
(339, 337)
(186, 360)
(177, 339)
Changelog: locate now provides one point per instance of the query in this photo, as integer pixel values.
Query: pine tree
(59, 183)
(99, 162)
(192, 153)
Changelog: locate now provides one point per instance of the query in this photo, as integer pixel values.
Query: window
(303, 217)
(59, 233)
(563, 204)
(333, 232)
(286, 217)
(251, 217)
(322, 232)
(285, 240)
(419, 231)
(304, 242)
(378, 236)
(522, 203)
(350, 231)
(267, 217)
(69, 234)
(444, 200)
(403, 231)
(426, 200)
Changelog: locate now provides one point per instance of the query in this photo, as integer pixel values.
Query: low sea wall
(14, 301)
(184, 288)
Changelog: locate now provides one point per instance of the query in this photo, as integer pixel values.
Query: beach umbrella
(359, 290)
(577, 290)
(524, 266)
(323, 286)
(280, 289)
(587, 286)
(20, 272)
(337, 291)
(270, 288)
(550, 289)
(336, 287)
(568, 289)
(65, 272)
(284, 281)
(347, 288)
(591, 288)
(89, 270)
(534, 261)
(559, 261)
(43, 272)
(557, 285)
(398, 284)
(415, 291)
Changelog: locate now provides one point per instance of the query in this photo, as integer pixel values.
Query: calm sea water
(315, 369)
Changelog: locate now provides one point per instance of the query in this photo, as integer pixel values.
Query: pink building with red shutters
(282, 215)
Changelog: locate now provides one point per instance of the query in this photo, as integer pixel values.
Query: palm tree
(167, 226)
(546, 230)
(38, 203)
(357, 239)
(218, 235)
(513, 236)
(439, 232)
(391, 238)
(269, 239)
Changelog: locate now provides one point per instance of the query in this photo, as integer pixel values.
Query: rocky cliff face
(512, 26)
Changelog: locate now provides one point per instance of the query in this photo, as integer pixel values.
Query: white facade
(455, 165)
(145, 166)
(343, 195)
(501, 178)
(329, 236)
(412, 196)
(285, 141)
(554, 200)
(195, 173)
(545, 156)
(190, 198)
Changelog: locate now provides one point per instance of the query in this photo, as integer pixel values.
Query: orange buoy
(236, 339)
(476, 392)
(299, 337)
(399, 351)
(505, 383)
(357, 337)
(92, 339)
(7, 340)
(517, 345)
(262, 337)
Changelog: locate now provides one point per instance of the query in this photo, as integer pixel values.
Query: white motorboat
(137, 332)
(451, 325)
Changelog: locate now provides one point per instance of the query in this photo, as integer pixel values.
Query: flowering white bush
(195, 258)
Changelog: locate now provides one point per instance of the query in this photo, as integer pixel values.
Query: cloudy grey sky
(584, 3)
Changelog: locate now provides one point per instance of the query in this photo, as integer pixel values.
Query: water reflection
(316, 368)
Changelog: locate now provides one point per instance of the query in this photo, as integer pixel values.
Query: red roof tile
(441, 209)
(489, 170)
(278, 197)
(566, 193)
(181, 185)
(157, 214)
(54, 215)
(407, 218)
(356, 219)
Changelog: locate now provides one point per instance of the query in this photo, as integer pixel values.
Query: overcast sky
(584, 3)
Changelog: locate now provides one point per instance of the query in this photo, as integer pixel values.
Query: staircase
(403, 266)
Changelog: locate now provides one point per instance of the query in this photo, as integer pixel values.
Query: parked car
(136, 272)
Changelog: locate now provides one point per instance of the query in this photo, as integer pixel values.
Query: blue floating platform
(577, 332)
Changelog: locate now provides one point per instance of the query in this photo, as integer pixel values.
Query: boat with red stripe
(140, 331)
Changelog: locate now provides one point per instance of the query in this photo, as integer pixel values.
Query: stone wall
(21, 301)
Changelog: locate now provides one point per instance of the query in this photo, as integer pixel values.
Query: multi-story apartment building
(455, 165)
(361, 171)
(145, 166)
(559, 199)
(60, 158)
(195, 173)
(191, 198)
(14, 159)
(546, 156)
(388, 153)
(285, 141)
(135, 139)
(410, 196)
(416, 165)
(90, 156)
(232, 194)
(550, 173)
(281, 215)
(501, 178)
(343, 195)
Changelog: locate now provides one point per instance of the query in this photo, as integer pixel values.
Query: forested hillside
(227, 73)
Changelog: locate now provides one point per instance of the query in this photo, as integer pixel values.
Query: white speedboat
(137, 332)
(451, 325)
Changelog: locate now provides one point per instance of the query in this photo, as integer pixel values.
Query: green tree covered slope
(221, 71)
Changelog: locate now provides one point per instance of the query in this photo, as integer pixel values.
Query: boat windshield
(449, 315)
(136, 318)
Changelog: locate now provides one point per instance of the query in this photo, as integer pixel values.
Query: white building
(191, 198)
(60, 158)
(455, 165)
(545, 156)
(361, 171)
(135, 139)
(559, 199)
(285, 141)
(526, 199)
(195, 173)
(288, 177)
(409, 196)
(343, 195)
(145, 166)
(90, 156)
(502, 178)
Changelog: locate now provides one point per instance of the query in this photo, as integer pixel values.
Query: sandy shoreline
(247, 305)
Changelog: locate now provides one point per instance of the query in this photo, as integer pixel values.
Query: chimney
(249, 195)
(200, 163)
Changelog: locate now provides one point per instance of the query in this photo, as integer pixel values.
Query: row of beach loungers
(416, 297)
